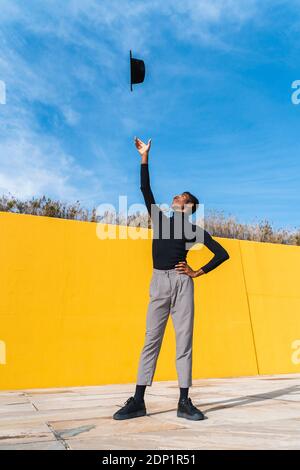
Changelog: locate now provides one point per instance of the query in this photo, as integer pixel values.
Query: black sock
(183, 393)
(140, 392)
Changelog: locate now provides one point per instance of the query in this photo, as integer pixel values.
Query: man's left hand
(184, 268)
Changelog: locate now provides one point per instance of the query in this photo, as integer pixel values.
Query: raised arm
(143, 150)
(146, 188)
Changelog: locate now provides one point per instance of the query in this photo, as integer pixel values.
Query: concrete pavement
(261, 412)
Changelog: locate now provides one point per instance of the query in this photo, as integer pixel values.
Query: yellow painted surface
(73, 307)
(223, 343)
(272, 274)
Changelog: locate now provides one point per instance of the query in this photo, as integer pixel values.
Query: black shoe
(187, 410)
(131, 409)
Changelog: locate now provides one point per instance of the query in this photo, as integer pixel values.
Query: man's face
(181, 203)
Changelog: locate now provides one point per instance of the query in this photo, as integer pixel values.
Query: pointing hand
(142, 148)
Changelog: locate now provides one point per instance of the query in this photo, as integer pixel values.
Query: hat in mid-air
(137, 71)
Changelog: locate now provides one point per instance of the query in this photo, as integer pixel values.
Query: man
(171, 291)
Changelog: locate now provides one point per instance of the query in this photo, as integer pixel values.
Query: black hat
(137, 71)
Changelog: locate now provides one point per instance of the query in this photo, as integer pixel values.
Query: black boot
(131, 409)
(187, 410)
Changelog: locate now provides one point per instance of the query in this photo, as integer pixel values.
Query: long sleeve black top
(170, 245)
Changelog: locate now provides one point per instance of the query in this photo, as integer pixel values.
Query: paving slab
(106, 426)
(45, 445)
(259, 412)
(20, 432)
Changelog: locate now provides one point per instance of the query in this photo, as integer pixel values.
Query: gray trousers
(170, 292)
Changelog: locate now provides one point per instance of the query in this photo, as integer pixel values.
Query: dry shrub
(216, 223)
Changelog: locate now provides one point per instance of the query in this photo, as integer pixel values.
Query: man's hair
(193, 200)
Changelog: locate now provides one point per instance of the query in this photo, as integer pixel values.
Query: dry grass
(216, 223)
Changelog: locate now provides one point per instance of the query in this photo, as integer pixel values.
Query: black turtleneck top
(174, 236)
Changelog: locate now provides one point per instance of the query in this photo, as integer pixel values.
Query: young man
(171, 291)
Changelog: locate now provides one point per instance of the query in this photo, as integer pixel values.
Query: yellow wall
(73, 307)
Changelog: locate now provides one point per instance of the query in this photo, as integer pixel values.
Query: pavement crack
(58, 437)
(28, 397)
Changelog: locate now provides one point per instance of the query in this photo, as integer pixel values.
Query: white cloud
(33, 162)
(2, 92)
(71, 116)
(31, 167)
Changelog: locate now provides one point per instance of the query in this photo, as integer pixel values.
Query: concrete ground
(261, 412)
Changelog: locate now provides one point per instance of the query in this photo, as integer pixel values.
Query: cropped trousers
(171, 292)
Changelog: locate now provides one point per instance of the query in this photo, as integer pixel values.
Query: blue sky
(216, 102)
